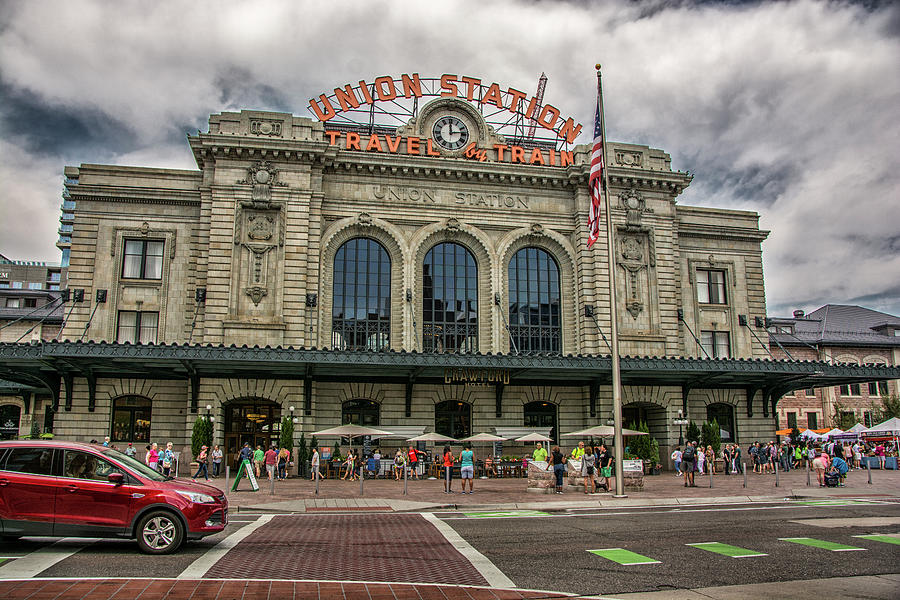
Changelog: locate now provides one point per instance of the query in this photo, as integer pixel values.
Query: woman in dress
(588, 466)
(558, 462)
(711, 458)
(153, 457)
(701, 459)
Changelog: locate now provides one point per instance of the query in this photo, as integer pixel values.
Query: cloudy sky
(790, 109)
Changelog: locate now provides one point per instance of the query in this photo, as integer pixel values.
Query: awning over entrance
(52, 365)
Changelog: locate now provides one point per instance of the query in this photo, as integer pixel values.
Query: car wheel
(159, 532)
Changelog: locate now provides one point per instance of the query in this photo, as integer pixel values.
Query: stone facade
(250, 238)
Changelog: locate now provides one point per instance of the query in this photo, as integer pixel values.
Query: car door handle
(4, 482)
(71, 488)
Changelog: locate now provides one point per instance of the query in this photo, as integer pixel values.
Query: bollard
(775, 465)
(744, 470)
(869, 470)
(362, 475)
(317, 479)
(272, 486)
(710, 473)
(807, 474)
(405, 480)
(227, 476)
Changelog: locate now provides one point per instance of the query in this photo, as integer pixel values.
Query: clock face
(450, 132)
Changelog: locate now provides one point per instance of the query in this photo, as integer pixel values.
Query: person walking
(467, 468)
(314, 465)
(284, 456)
(245, 454)
(153, 457)
(399, 464)
(167, 457)
(688, 463)
(701, 460)
(270, 459)
(413, 462)
(217, 457)
(588, 465)
(259, 457)
(676, 458)
(130, 450)
(736, 460)
(448, 470)
(558, 463)
(202, 466)
(604, 464)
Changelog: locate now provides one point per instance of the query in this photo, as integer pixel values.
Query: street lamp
(680, 421)
(294, 419)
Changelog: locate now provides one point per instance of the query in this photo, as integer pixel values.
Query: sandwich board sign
(245, 469)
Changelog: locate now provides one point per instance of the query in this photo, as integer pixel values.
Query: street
(572, 550)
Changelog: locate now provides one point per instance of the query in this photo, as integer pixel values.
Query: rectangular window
(16, 285)
(137, 327)
(30, 302)
(4, 285)
(867, 419)
(873, 388)
(792, 420)
(13, 303)
(142, 259)
(716, 343)
(883, 388)
(812, 420)
(850, 390)
(810, 393)
(711, 286)
(54, 276)
(35, 286)
(34, 461)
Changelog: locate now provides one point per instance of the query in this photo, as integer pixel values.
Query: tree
(795, 436)
(201, 435)
(842, 419)
(336, 452)
(640, 445)
(287, 434)
(302, 453)
(889, 407)
(693, 432)
(711, 435)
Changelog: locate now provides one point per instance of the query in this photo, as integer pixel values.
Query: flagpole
(613, 312)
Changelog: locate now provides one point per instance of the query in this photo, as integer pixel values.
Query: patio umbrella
(602, 431)
(534, 437)
(432, 437)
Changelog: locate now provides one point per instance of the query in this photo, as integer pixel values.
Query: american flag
(595, 180)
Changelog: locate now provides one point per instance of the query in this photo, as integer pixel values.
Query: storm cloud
(789, 109)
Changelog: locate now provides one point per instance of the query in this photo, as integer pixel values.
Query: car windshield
(135, 465)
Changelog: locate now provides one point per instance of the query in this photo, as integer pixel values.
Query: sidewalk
(298, 495)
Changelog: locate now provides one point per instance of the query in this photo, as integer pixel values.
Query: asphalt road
(551, 552)
(544, 551)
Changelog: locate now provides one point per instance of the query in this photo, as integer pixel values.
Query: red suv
(69, 489)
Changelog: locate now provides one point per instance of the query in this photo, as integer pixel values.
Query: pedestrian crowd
(829, 458)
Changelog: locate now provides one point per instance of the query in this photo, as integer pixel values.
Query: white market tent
(891, 427)
(809, 434)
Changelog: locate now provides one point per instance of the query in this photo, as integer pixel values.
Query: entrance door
(256, 422)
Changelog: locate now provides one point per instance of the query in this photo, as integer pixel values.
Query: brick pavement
(190, 589)
(358, 547)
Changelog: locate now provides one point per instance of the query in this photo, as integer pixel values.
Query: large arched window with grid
(534, 301)
(361, 296)
(450, 299)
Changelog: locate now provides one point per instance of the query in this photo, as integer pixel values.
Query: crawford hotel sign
(501, 129)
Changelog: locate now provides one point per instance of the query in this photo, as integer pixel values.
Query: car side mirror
(116, 478)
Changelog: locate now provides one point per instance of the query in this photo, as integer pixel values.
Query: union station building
(427, 275)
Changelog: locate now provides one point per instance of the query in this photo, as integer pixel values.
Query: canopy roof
(42, 365)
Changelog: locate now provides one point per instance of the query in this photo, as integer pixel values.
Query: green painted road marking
(507, 514)
(726, 549)
(887, 538)
(833, 546)
(624, 557)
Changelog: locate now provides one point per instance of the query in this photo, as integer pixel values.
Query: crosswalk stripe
(624, 557)
(887, 538)
(41, 559)
(824, 545)
(726, 549)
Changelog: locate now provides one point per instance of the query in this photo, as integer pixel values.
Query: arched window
(534, 301)
(724, 415)
(131, 419)
(450, 300)
(360, 412)
(541, 414)
(453, 418)
(361, 310)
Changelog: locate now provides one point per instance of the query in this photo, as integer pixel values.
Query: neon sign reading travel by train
(350, 98)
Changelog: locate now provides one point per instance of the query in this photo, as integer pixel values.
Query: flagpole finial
(597, 66)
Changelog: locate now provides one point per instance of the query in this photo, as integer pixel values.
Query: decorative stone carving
(265, 127)
(145, 228)
(261, 227)
(629, 159)
(364, 219)
(634, 205)
(453, 224)
(262, 176)
(256, 294)
(537, 229)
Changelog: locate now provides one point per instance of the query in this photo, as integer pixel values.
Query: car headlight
(196, 497)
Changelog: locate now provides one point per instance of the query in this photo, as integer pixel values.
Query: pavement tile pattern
(169, 589)
(357, 547)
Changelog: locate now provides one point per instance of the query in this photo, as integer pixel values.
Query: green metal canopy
(48, 364)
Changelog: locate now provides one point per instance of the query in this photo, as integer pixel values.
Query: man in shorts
(467, 467)
(688, 463)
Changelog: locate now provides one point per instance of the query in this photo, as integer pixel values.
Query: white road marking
(199, 567)
(850, 522)
(491, 573)
(42, 559)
